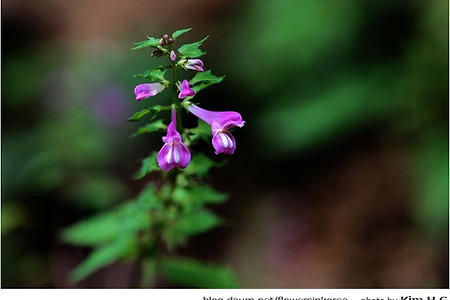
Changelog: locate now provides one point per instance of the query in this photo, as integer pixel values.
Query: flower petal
(181, 155)
(147, 90)
(163, 158)
(224, 142)
(185, 90)
(195, 64)
(224, 119)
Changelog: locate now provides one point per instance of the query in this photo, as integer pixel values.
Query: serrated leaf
(177, 33)
(192, 273)
(94, 231)
(154, 75)
(138, 115)
(197, 195)
(206, 77)
(192, 50)
(104, 256)
(151, 127)
(194, 223)
(191, 223)
(206, 194)
(149, 165)
(151, 42)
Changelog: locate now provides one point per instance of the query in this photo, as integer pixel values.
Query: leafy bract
(177, 33)
(192, 50)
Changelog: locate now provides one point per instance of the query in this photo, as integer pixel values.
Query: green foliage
(95, 231)
(138, 115)
(151, 42)
(188, 224)
(200, 166)
(104, 256)
(154, 75)
(430, 166)
(177, 33)
(202, 131)
(114, 234)
(154, 110)
(205, 79)
(192, 50)
(191, 273)
(149, 164)
(151, 127)
(197, 195)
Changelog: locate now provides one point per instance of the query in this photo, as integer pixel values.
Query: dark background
(340, 177)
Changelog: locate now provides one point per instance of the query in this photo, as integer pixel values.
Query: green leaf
(138, 115)
(200, 165)
(154, 75)
(151, 127)
(177, 33)
(151, 42)
(154, 110)
(94, 231)
(206, 77)
(149, 165)
(429, 163)
(202, 131)
(192, 223)
(197, 195)
(104, 256)
(192, 273)
(148, 198)
(206, 194)
(192, 50)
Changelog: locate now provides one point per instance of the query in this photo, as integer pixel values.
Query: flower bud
(173, 56)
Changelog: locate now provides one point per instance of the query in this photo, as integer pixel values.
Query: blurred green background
(340, 178)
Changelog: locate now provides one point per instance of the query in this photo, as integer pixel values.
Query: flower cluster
(174, 153)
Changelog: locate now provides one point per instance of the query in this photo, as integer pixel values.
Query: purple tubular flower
(147, 90)
(194, 64)
(221, 122)
(185, 90)
(174, 153)
(173, 56)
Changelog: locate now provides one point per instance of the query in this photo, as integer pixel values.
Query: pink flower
(174, 153)
(185, 90)
(147, 90)
(221, 122)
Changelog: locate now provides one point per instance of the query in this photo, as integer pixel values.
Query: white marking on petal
(224, 138)
(230, 141)
(169, 156)
(176, 155)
